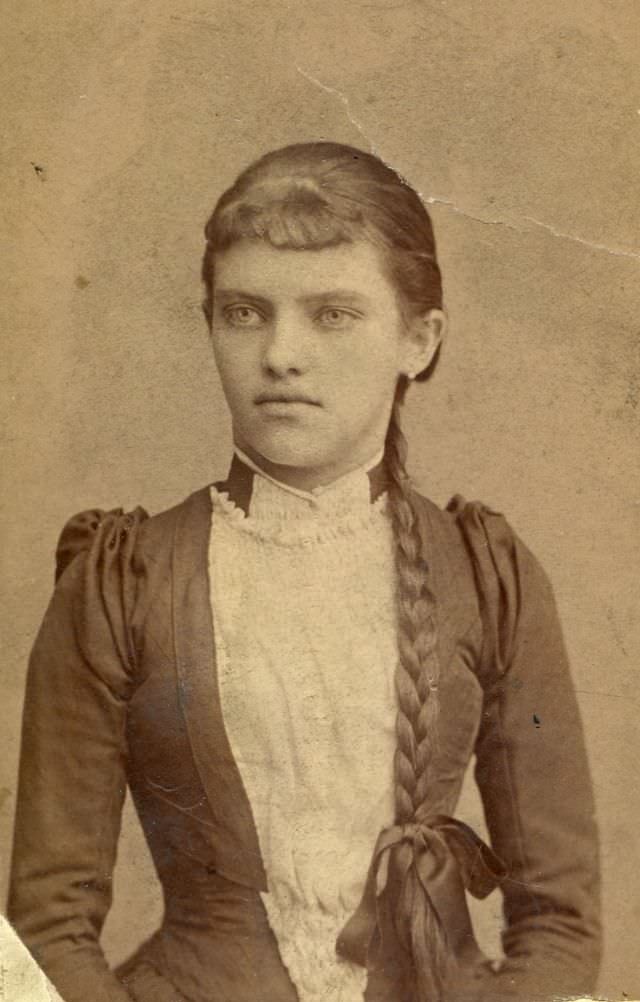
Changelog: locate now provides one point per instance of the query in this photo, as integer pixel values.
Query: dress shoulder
(510, 582)
(135, 538)
(96, 528)
(97, 590)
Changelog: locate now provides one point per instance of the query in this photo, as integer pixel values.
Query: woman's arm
(532, 772)
(72, 769)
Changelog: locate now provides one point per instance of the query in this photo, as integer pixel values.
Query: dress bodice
(306, 677)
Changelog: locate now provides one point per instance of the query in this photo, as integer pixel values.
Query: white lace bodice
(308, 702)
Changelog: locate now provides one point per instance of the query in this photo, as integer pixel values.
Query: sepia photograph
(321, 502)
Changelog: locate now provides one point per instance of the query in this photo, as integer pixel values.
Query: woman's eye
(337, 318)
(242, 316)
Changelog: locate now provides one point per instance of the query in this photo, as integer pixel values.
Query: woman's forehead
(257, 266)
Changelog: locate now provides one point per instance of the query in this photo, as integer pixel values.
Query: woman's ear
(423, 337)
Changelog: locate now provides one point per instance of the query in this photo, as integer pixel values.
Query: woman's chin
(287, 449)
(304, 468)
(294, 459)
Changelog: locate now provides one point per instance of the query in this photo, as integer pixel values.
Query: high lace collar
(273, 510)
(257, 493)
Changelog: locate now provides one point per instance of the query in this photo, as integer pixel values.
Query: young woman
(292, 669)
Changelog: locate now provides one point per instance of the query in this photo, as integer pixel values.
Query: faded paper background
(519, 123)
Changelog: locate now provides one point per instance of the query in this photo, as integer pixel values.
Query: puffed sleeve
(532, 773)
(72, 783)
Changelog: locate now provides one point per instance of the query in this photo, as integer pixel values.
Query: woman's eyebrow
(336, 295)
(231, 295)
(349, 296)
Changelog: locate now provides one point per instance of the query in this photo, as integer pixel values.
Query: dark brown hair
(315, 195)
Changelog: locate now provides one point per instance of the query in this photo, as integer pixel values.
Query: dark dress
(122, 690)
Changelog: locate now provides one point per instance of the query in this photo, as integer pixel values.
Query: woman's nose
(285, 349)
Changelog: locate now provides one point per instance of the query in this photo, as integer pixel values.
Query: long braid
(418, 669)
(416, 683)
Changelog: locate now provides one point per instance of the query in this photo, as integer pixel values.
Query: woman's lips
(285, 398)
(285, 406)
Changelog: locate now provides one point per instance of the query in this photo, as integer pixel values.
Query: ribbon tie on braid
(444, 857)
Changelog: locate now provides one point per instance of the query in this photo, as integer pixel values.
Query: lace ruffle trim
(285, 528)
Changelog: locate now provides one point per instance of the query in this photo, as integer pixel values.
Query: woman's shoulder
(460, 526)
(125, 535)
(471, 525)
(112, 568)
(509, 582)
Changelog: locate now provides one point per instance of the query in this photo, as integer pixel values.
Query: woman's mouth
(267, 399)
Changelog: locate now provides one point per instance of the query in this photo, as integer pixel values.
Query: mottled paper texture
(21, 980)
(519, 124)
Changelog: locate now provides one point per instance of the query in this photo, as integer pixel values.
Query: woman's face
(309, 345)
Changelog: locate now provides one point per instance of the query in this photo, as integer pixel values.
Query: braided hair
(416, 686)
(321, 194)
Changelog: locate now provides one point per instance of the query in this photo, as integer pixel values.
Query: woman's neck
(301, 478)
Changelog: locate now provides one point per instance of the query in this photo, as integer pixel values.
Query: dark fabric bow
(446, 856)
